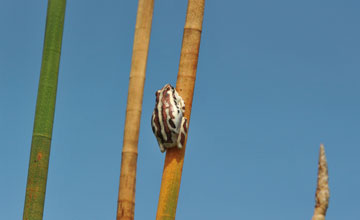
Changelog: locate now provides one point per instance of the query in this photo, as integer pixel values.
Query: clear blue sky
(275, 79)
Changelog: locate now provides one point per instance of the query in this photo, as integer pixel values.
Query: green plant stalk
(44, 113)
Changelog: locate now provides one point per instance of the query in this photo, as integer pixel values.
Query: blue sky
(275, 79)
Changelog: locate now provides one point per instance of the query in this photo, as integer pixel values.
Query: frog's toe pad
(181, 141)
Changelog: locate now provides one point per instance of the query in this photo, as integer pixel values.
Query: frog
(168, 122)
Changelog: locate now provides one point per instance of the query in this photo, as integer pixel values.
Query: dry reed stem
(322, 191)
(126, 199)
(170, 184)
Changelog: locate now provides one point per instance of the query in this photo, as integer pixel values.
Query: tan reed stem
(322, 194)
(126, 197)
(174, 159)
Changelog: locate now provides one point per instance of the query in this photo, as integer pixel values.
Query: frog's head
(167, 87)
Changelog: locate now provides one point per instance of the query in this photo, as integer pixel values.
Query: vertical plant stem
(322, 194)
(44, 113)
(126, 198)
(171, 179)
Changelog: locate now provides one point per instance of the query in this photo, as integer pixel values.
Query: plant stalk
(126, 197)
(174, 159)
(44, 113)
(322, 194)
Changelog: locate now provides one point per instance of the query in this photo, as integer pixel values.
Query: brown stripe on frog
(171, 106)
(182, 139)
(185, 126)
(165, 99)
(157, 94)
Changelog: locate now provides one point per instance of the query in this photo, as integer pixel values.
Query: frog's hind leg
(182, 133)
(161, 145)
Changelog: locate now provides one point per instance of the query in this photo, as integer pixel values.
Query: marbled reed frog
(168, 122)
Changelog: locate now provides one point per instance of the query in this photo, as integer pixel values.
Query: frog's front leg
(182, 133)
